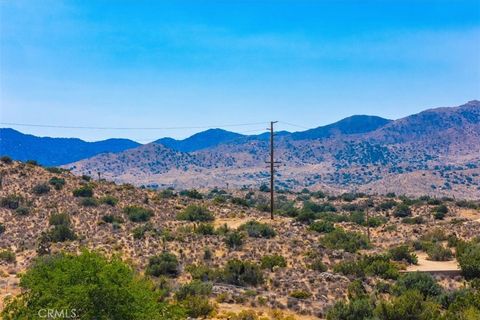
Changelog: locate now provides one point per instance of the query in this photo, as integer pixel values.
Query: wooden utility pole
(272, 170)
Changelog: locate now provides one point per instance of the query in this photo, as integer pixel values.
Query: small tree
(41, 188)
(165, 264)
(195, 213)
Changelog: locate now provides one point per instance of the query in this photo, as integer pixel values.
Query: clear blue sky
(190, 63)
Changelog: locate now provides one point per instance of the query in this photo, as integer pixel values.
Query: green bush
(242, 273)
(83, 191)
(420, 281)
(89, 202)
(61, 230)
(2, 228)
(11, 201)
(167, 194)
(203, 273)
(240, 202)
(318, 265)
(194, 194)
(7, 256)
(41, 188)
(57, 183)
(110, 218)
(6, 159)
(138, 214)
(322, 226)
(22, 211)
(348, 241)
(256, 229)
(234, 239)
(370, 265)
(139, 232)
(109, 200)
(165, 264)
(387, 205)
(353, 310)
(206, 229)
(402, 210)
(97, 288)
(409, 305)
(196, 213)
(300, 294)
(271, 261)
(437, 252)
(413, 220)
(193, 297)
(403, 253)
(469, 259)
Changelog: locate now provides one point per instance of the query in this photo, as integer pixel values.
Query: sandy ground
(428, 265)
(236, 308)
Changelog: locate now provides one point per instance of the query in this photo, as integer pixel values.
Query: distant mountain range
(433, 152)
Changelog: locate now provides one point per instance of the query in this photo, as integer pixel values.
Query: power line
(294, 125)
(130, 128)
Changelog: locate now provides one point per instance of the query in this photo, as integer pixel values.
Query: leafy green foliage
(234, 239)
(83, 191)
(89, 202)
(242, 273)
(348, 241)
(193, 297)
(61, 230)
(7, 256)
(371, 265)
(193, 193)
(109, 200)
(206, 229)
(96, 288)
(41, 188)
(402, 210)
(403, 253)
(165, 264)
(256, 229)
(138, 214)
(57, 183)
(322, 226)
(419, 281)
(271, 261)
(196, 213)
(468, 256)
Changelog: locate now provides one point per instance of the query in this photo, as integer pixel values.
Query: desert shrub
(193, 297)
(375, 221)
(2, 228)
(409, 305)
(240, 202)
(306, 216)
(219, 199)
(140, 231)
(6, 159)
(41, 188)
(264, 188)
(203, 273)
(164, 264)
(435, 235)
(322, 226)
(89, 202)
(11, 201)
(114, 292)
(438, 215)
(353, 310)
(205, 229)
(55, 170)
(256, 229)
(403, 253)
(420, 281)
(83, 191)
(61, 230)
(207, 254)
(287, 209)
(22, 211)
(271, 261)
(57, 183)
(437, 252)
(242, 273)
(167, 194)
(469, 259)
(413, 220)
(402, 210)
(357, 217)
(7, 256)
(193, 193)
(195, 213)
(318, 265)
(300, 294)
(348, 241)
(369, 265)
(386, 205)
(234, 239)
(86, 177)
(138, 214)
(109, 200)
(32, 162)
(110, 218)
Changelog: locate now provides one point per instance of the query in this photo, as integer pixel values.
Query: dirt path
(429, 265)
